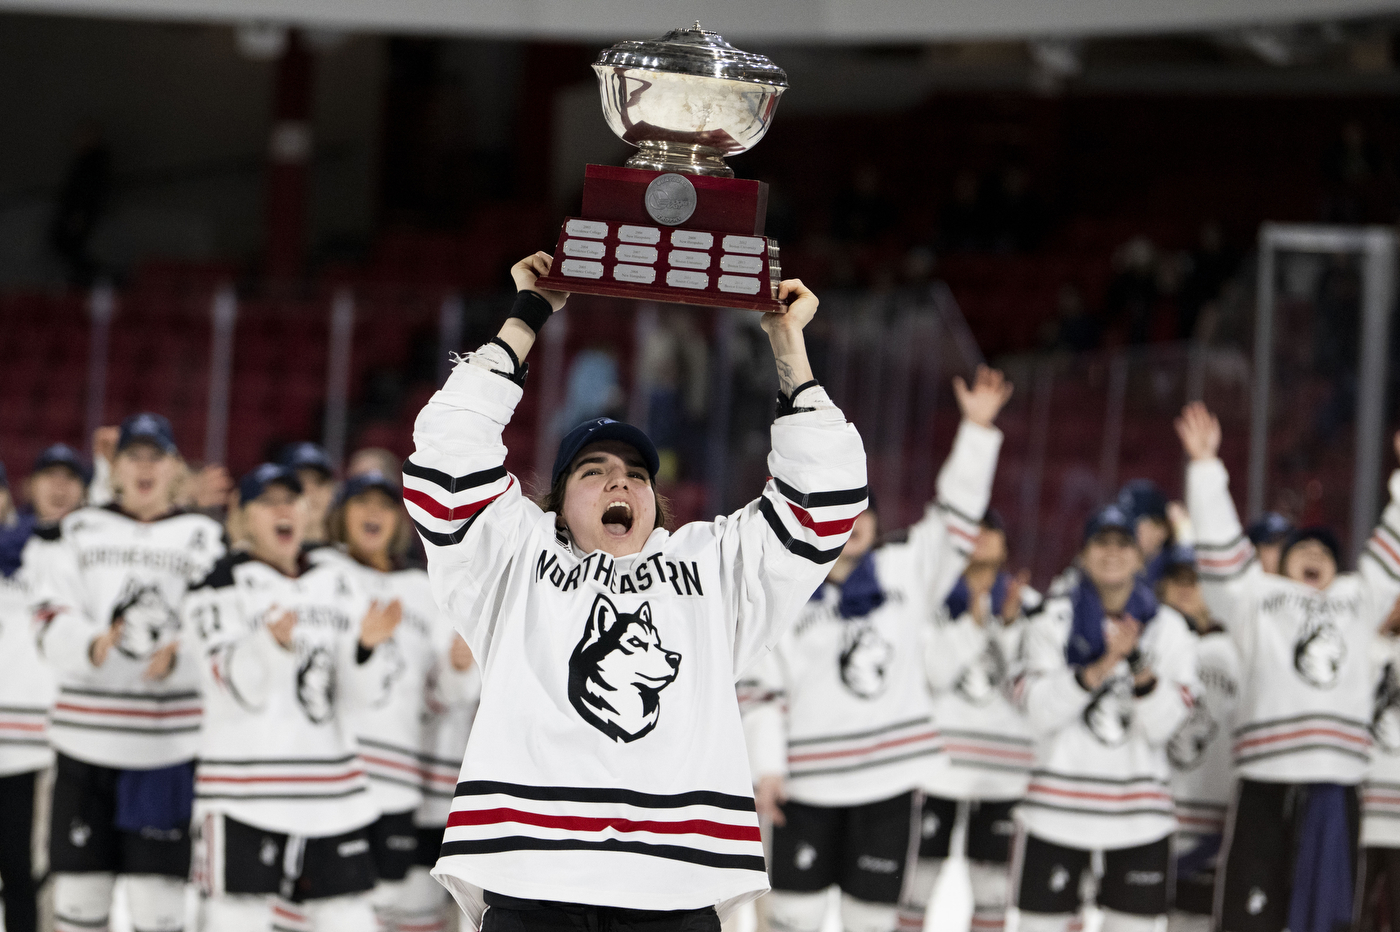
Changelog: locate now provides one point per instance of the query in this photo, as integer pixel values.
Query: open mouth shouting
(617, 518)
(284, 531)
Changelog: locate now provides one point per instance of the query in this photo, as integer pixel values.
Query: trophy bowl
(687, 100)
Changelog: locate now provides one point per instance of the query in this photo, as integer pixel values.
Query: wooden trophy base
(718, 257)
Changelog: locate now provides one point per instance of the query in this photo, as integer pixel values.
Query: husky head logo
(316, 685)
(394, 666)
(1319, 653)
(618, 670)
(1109, 716)
(983, 678)
(1385, 711)
(1187, 747)
(866, 661)
(148, 621)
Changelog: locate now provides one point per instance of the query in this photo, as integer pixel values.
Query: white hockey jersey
(986, 736)
(278, 749)
(1101, 773)
(108, 564)
(1203, 771)
(1380, 796)
(607, 764)
(390, 731)
(26, 682)
(1305, 667)
(453, 697)
(859, 723)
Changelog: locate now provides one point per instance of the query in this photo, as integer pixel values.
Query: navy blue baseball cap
(1142, 499)
(1110, 518)
(61, 454)
(1318, 533)
(604, 428)
(364, 482)
(268, 474)
(148, 428)
(308, 455)
(1269, 528)
(1178, 555)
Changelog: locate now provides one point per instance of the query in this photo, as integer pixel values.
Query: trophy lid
(694, 51)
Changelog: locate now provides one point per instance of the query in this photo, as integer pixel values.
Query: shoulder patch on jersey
(222, 573)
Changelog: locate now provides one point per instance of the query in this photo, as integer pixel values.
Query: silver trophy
(687, 100)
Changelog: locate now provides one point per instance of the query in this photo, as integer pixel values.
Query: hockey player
(126, 720)
(1202, 771)
(368, 523)
(1301, 727)
(317, 474)
(288, 648)
(26, 691)
(606, 780)
(850, 728)
(1379, 873)
(1108, 676)
(969, 659)
(1148, 506)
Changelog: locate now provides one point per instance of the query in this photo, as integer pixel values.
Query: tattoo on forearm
(787, 377)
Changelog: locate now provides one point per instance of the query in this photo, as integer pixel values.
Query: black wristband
(363, 653)
(785, 401)
(531, 309)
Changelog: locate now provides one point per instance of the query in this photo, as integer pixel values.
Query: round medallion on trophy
(670, 199)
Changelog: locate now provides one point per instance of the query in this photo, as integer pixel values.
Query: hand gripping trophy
(675, 224)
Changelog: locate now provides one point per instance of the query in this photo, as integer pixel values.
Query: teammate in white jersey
(1302, 735)
(969, 659)
(1202, 769)
(1108, 676)
(850, 730)
(126, 720)
(606, 778)
(368, 523)
(289, 649)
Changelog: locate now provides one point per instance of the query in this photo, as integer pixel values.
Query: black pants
(16, 860)
(1261, 849)
(1380, 890)
(507, 914)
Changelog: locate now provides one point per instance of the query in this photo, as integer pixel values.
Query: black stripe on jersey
(953, 511)
(1072, 778)
(21, 710)
(1380, 561)
(1352, 723)
(153, 732)
(81, 923)
(798, 547)
(861, 734)
(746, 862)
(988, 736)
(144, 697)
(34, 742)
(589, 794)
(386, 746)
(822, 499)
(980, 764)
(447, 540)
(454, 483)
(397, 781)
(1299, 749)
(795, 772)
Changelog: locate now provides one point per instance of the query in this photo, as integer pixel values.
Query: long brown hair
(398, 544)
(553, 500)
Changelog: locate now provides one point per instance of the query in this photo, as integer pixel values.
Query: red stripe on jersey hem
(22, 726)
(140, 713)
(597, 824)
(1105, 797)
(984, 751)
(1301, 733)
(438, 510)
(868, 749)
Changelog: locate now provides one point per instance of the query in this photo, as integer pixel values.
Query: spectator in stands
(1132, 292)
(862, 213)
(81, 202)
(375, 459)
(964, 222)
(1207, 268)
(1072, 330)
(317, 475)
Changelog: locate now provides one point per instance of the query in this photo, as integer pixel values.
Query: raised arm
(942, 540)
(1379, 565)
(469, 511)
(776, 550)
(1225, 557)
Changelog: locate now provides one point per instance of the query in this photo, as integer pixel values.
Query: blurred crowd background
(272, 235)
